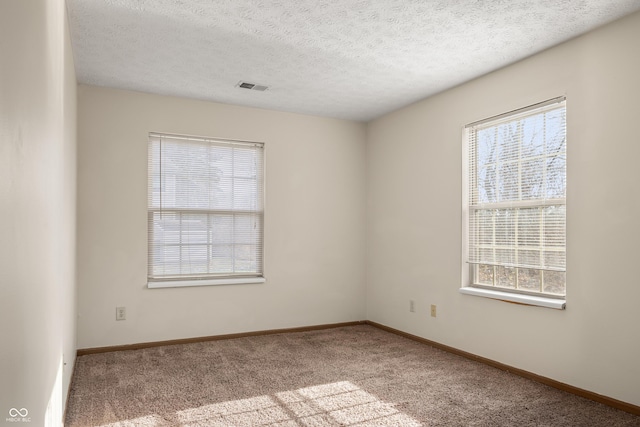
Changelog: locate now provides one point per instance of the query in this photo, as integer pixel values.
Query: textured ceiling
(352, 59)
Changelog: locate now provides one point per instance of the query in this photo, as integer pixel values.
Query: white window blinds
(517, 189)
(205, 208)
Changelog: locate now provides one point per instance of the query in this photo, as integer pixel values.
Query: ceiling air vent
(252, 86)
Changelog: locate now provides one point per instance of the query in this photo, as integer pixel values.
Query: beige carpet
(351, 376)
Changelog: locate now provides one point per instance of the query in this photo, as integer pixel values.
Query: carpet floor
(349, 376)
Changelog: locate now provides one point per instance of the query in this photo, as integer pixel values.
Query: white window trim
(225, 280)
(540, 301)
(467, 288)
(205, 282)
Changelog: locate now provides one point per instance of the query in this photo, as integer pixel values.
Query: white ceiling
(352, 59)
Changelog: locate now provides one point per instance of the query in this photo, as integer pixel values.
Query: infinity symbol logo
(13, 412)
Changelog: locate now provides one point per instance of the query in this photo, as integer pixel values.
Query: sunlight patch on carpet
(152, 420)
(339, 403)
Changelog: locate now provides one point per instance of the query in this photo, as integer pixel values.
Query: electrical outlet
(433, 310)
(121, 313)
(412, 306)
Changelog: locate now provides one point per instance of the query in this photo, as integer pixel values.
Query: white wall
(414, 225)
(314, 227)
(37, 209)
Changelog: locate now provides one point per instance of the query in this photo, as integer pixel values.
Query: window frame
(188, 280)
(469, 270)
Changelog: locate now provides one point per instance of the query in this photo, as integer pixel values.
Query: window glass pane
(556, 180)
(221, 160)
(246, 227)
(533, 136)
(166, 260)
(487, 255)
(529, 258)
(554, 234)
(245, 163)
(505, 277)
(532, 179)
(505, 256)
(484, 275)
(194, 259)
(505, 227)
(166, 228)
(487, 188)
(221, 228)
(529, 279)
(154, 175)
(195, 229)
(245, 257)
(555, 130)
(486, 147)
(245, 194)
(485, 227)
(554, 282)
(508, 137)
(221, 195)
(554, 259)
(508, 181)
(529, 227)
(221, 259)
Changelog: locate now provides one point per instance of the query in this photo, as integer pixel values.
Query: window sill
(558, 304)
(207, 282)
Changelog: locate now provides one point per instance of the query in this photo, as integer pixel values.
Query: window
(205, 211)
(515, 204)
